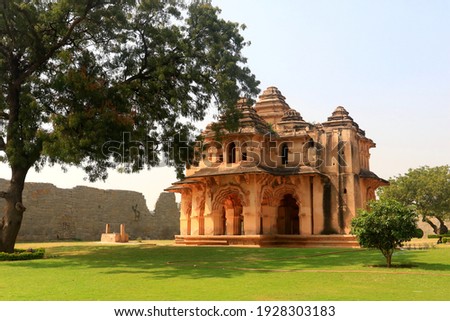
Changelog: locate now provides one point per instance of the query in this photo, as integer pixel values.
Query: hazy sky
(386, 62)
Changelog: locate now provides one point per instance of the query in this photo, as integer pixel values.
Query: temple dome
(340, 113)
(340, 117)
(271, 93)
(271, 105)
(291, 115)
(250, 120)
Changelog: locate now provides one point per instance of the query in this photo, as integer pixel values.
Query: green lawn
(91, 271)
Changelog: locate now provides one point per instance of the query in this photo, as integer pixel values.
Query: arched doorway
(288, 220)
(231, 153)
(232, 219)
(284, 153)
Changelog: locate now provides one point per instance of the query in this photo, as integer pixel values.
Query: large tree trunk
(441, 229)
(12, 219)
(433, 226)
(18, 160)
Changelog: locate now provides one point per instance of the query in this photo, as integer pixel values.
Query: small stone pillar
(108, 229)
(123, 235)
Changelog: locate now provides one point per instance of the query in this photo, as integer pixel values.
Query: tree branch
(6, 20)
(435, 228)
(63, 41)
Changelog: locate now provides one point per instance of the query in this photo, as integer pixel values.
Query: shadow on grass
(214, 262)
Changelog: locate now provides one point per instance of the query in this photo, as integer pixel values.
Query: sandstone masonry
(81, 213)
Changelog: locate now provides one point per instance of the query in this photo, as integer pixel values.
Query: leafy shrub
(385, 226)
(419, 233)
(19, 254)
(444, 240)
(437, 236)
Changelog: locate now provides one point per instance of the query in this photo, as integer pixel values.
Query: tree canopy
(96, 83)
(385, 226)
(428, 189)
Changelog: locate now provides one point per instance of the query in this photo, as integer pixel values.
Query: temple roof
(292, 119)
(253, 168)
(271, 112)
(271, 105)
(250, 120)
(340, 113)
(340, 117)
(365, 173)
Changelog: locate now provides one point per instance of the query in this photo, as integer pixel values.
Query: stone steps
(342, 241)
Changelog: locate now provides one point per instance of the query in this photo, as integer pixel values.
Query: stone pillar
(198, 209)
(270, 219)
(123, 236)
(252, 220)
(252, 210)
(238, 153)
(318, 205)
(108, 229)
(306, 209)
(215, 221)
(195, 224)
(195, 228)
(208, 224)
(208, 217)
(305, 223)
(185, 213)
(212, 223)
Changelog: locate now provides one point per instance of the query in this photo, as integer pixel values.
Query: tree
(428, 189)
(96, 83)
(385, 226)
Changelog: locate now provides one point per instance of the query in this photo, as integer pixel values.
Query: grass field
(93, 271)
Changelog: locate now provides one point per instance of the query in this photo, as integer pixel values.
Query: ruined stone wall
(167, 218)
(81, 213)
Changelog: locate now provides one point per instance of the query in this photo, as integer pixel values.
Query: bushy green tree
(428, 189)
(94, 83)
(385, 226)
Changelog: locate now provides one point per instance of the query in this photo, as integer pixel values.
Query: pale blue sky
(386, 62)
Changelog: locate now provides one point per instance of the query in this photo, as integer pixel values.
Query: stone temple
(277, 180)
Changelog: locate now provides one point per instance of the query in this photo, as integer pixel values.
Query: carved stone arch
(267, 196)
(229, 202)
(280, 191)
(287, 200)
(221, 195)
(231, 148)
